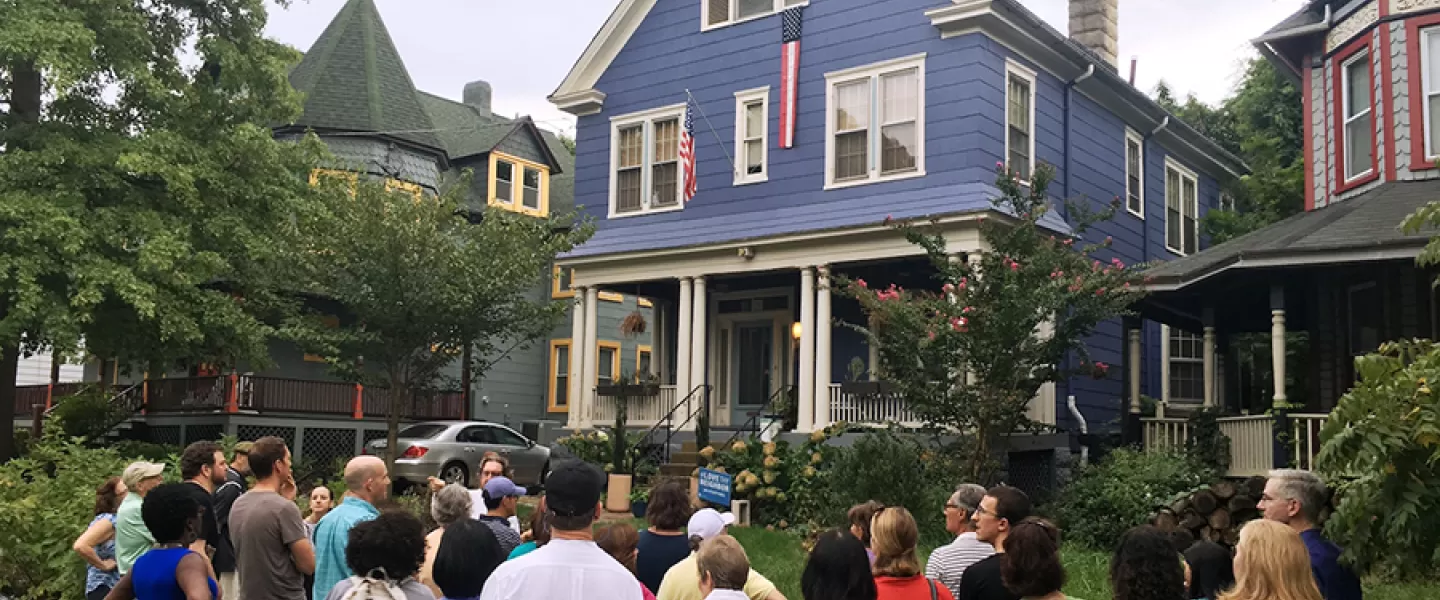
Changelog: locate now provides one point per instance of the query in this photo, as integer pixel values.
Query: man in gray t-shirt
(272, 552)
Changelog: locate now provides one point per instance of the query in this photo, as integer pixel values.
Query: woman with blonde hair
(893, 537)
(1271, 563)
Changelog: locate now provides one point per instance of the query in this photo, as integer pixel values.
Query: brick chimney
(1095, 24)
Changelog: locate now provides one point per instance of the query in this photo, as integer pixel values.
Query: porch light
(796, 330)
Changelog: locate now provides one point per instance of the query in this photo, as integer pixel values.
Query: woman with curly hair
(170, 570)
(389, 548)
(1271, 563)
(1030, 567)
(1145, 566)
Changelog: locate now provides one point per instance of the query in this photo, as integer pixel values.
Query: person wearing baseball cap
(502, 500)
(571, 565)
(682, 581)
(132, 537)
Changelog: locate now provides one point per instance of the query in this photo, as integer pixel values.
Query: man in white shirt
(492, 465)
(571, 565)
(724, 568)
(947, 563)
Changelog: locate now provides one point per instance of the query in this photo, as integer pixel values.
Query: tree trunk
(55, 361)
(9, 364)
(465, 383)
(399, 394)
(1204, 502)
(1220, 519)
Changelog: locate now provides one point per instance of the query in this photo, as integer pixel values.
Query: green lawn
(779, 557)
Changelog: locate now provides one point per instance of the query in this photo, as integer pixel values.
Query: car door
(525, 463)
(469, 446)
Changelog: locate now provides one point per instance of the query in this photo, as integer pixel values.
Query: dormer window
(719, 13)
(519, 185)
(1356, 109)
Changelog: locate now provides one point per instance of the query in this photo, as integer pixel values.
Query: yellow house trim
(612, 296)
(644, 302)
(551, 402)
(392, 185)
(555, 290)
(615, 359)
(352, 177)
(514, 202)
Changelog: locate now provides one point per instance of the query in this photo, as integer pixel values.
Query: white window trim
(1185, 173)
(647, 118)
(1023, 72)
(1431, 152)
(873, 72)
(1165, 359)
(735, 9)
(1130, 136)
(743, 98)
(1345, 110)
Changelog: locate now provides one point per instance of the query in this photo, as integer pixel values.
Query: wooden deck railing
(28, 396)
(279, 395)
(422, 405)
(1252, 440)
(187, 394)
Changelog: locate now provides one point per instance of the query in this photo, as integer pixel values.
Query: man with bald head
(366, 483)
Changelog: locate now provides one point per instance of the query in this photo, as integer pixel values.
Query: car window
(507, 437)
(474, 435)
(421, 430)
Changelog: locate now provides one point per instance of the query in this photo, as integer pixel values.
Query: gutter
(1069, 104)
(1321, 27)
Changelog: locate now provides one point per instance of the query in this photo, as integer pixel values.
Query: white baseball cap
(708, 523)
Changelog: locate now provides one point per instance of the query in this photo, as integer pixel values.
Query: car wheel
(456, 473)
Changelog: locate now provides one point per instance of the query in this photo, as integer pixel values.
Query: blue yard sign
(715, 487)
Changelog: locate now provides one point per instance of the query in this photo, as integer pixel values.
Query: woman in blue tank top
(170, 570)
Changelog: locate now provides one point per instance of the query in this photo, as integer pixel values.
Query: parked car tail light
(415, 452)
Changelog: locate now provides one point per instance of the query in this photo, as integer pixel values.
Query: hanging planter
(633, 325)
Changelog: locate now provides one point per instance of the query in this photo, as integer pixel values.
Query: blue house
(900, 109)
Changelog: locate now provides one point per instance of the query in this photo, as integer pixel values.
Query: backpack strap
(934, 594)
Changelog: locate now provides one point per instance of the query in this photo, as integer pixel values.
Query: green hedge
(1122, 491)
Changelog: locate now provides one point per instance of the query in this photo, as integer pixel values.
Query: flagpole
(691, 97)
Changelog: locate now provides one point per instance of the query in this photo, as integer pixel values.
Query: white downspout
(1084, 429)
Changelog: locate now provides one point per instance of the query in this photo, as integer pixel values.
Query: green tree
(1262, 122)
(143, 200)
(418, 281)
(973, 354)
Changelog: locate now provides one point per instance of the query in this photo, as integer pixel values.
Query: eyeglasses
(980, 510)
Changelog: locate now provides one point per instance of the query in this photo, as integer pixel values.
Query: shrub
(136, 450)
(1206, 443)
(897, 470)
(1122, 491)
(784, 483)
(597, 448)
(1382, 452)
(46, 501)
(87, 414)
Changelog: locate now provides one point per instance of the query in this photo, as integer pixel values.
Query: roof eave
(1400, 249)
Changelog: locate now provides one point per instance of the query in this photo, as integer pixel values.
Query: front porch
(743, 328)
(1265, 328)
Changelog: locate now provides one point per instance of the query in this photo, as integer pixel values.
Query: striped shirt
(947, 563)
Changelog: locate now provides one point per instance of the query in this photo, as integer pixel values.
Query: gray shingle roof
(353, 80)
(1369, 221)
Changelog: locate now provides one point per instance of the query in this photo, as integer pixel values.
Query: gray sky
(1196, 46)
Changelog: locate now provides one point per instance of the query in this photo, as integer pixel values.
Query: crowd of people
(211, 537)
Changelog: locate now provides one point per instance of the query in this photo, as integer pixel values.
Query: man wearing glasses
(1003, 508)
(947, 563)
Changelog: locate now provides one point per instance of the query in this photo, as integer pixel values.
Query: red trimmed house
(1342, 272)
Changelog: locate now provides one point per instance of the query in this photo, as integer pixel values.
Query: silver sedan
(451, 450)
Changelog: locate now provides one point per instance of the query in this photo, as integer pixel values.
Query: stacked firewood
(1215, 512)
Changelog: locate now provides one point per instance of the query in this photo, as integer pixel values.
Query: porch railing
(1252, 440)
(642, 411)
(870, 409)
(28, 396)
(281, 395)
(187, 394)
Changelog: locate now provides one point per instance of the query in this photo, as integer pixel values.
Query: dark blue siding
(964, 129)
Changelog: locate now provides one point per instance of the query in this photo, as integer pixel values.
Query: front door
(754, 360)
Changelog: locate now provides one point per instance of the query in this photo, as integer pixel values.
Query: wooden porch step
(677, 469)
(685, 457)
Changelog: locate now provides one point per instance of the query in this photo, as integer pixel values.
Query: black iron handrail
(124, 404)
(752, 424)
(668, 422)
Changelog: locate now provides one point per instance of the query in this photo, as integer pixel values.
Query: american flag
(789, 73)
(687, 148)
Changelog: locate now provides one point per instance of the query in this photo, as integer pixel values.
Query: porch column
(697, 348)
(591, 353)
(1134, 370)
(575, 370)
(822, 348)
(682, 343)
(658, 352)
(1277, 342)
(805, 423)
(1208, 355)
